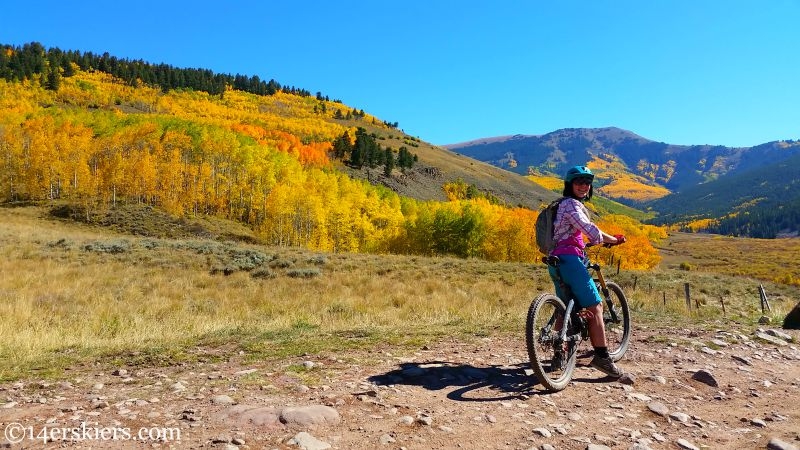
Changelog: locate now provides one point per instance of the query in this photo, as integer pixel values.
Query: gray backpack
(545, 225)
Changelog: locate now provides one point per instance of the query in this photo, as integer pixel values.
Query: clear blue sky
(722, 72)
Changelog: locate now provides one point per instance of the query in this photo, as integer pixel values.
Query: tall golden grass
(62, 301)
(73, 294)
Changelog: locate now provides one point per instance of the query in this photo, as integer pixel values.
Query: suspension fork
(567, 316)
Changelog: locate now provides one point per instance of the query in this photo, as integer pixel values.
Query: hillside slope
(438, 165)
(278, 163)
(249, 101)
(762, 202)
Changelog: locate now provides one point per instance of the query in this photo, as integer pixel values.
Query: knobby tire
(540, 335)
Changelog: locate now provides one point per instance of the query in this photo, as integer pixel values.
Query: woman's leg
(597, 329)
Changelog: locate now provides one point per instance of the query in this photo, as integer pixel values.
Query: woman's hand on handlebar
(620, 240)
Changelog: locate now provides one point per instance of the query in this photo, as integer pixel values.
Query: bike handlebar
(604, 244)
(620, 240)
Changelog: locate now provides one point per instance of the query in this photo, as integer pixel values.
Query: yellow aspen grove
(204, 189)
(17, 99)
(172, 175)
(102, 166)
(388, 222)
(10, 161)
(456, 190)
(143, 176)
(337, 194)
(512, 235)
(137, 145)
(340, 228)
(73, 144)
(553, 183)
(309, 220)
(279, 215)
(261, 160)
(39, 159)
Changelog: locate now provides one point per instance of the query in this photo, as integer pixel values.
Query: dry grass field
(763, 259)
(74, 294)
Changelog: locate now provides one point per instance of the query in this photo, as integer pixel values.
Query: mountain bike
(554, 329)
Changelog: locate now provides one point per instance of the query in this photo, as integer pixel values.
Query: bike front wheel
(618, 325)
(551, 359)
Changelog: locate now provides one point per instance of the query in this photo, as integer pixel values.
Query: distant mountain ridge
(675, 167)
(703, 181)
(490, 140)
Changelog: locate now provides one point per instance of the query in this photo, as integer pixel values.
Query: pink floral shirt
(572, 221)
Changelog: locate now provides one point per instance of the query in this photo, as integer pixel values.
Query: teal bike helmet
(578, 172)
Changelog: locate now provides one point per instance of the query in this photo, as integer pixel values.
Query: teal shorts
(577, 277)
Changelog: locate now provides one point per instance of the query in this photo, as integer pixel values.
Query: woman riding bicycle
(571, 223)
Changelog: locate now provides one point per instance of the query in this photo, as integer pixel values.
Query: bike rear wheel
(618, 332)
(543, 338)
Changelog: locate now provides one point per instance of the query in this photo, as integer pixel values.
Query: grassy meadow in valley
(79, 294)
(764, 259)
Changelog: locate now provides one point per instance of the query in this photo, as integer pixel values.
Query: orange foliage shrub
(313, 154)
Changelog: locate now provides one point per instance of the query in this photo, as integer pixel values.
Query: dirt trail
(449, 394)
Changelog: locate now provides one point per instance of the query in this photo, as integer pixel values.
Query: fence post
(688, 296)
(619, 261)
(665, 299)
(764, 301)
(722, 302)
(635, 279)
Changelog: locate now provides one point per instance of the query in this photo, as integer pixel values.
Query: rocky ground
(687, 389)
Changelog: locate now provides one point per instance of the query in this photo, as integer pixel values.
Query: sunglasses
(584, 181)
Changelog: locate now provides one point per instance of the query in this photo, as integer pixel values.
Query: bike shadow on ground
(471, 383)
